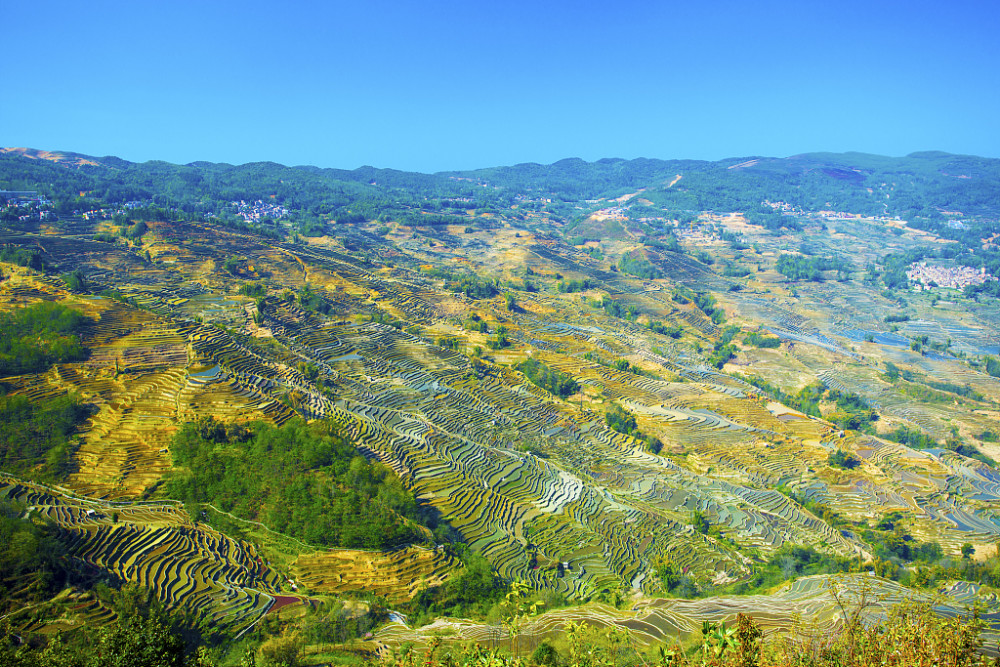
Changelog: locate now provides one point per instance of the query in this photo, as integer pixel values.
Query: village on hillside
(924, 276)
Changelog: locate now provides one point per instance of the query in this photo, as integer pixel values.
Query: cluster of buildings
(22, 198)
(110, 212)
(843, 215)
(923, 275)
(24, 206)
(99, 214)
(255, 211)
(518, 198)
(785, 207)
(613, 213)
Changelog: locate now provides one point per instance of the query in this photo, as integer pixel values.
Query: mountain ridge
(62, 156)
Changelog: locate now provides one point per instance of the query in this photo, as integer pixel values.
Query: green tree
(283, 651)
(621, 420)
(143, 635)
(841, 459)
(138, 642)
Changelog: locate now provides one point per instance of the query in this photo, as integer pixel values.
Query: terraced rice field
(228, 582)
(583, 508)
(393, 575)
(155, 544)
(804, 609)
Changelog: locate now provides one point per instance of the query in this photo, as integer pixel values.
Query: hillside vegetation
(305, 481)
(35, 337)
(327, 412)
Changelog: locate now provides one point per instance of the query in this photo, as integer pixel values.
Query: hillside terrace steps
(187, 565)
(424, 412)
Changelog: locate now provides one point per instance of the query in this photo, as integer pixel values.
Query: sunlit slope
(155, 544)
(804, 610)
(228, 582)
(583, 507)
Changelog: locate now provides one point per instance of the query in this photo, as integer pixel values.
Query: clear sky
(428, 86)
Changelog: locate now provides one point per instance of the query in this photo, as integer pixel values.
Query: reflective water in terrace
(211, 303)
(882, 338)
(353, 356)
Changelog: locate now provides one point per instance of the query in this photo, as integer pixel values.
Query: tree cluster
(36, 435)
(36, 336)
(638, 266)
(475, 287)
(307, 481)
(621, 420)
(755, 339)
(22, 257)
(800, 267)
(553, 381)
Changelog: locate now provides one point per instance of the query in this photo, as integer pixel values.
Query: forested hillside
(921, 184)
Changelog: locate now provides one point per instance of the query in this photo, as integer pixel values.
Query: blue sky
(430, 86)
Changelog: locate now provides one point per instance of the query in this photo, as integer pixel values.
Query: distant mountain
(920, 184)
(824, 180)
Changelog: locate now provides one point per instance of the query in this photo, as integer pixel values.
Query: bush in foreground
(911, 636)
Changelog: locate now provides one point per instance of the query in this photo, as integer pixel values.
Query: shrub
(844, 460)
(549, 379)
